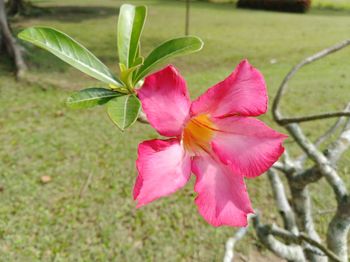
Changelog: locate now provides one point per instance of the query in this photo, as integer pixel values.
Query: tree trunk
(9, 43)
(187, 22)
(16, 7)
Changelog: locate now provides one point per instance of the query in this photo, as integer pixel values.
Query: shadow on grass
(72, 13)
(42, 60)
(6, 65)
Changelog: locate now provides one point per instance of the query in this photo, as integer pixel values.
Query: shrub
(299, 6)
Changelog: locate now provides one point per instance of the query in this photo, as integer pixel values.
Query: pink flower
(215, 137)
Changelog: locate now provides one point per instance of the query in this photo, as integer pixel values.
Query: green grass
(40, 136)
(332, 4)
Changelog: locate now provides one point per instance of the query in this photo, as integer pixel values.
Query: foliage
(133, 66)
(299, 6)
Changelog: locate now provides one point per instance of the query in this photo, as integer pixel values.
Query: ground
(86, 212)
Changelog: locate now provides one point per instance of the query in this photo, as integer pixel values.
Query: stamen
(198, 133)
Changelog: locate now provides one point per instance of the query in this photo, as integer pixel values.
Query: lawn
(86, 211)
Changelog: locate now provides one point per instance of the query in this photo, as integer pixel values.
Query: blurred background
(66, 176)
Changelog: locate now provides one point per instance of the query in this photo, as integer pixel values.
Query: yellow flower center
(198, 133)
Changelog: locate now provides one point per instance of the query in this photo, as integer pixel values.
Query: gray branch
(339, 227)
(231, 242)
(289, 120)
(338, 230)
(323, 138)
(324, 166)
(283, 87)
(336, 150)
(282, 201)
(299, 238)
(321, 161)
(288, 252)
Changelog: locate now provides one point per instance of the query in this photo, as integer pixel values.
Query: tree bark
(9, 42)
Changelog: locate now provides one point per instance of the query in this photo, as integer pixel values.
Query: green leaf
(130, 24)
(91, 97)
(170, 48)
(124, 110)
(70, 51)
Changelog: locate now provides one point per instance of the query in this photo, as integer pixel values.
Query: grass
(40, 136)
(331, 4)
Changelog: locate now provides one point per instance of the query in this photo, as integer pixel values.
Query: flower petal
(247, 144)
(222, 196)
(241, 93)
(163, 166)
(165, 100)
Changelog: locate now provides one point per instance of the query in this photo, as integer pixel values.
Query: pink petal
(165, 100)
(247, 144)
(163, 166)
(241, 93)
(222, 196)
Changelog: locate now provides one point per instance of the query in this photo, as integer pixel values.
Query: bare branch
(275, 108)
(337, 234)
(279, 166)
(320, 140)
(306, 177)
(288, 252)
(282, 201)
(231, 242)
(303, 208)
(336, 150)
(324, 167)
(298, 238)
(285, 121)
(313, 174)
(332, 129)
(322, 163)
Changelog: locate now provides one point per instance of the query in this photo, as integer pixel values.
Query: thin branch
(336, 150)
(279, 166)
(320, 140)
(332, 129)
(286, 121)
(231, 242)
(287, 166)
(275, 108)
(320, 160)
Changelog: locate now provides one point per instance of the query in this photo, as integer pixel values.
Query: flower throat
(198, 133)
